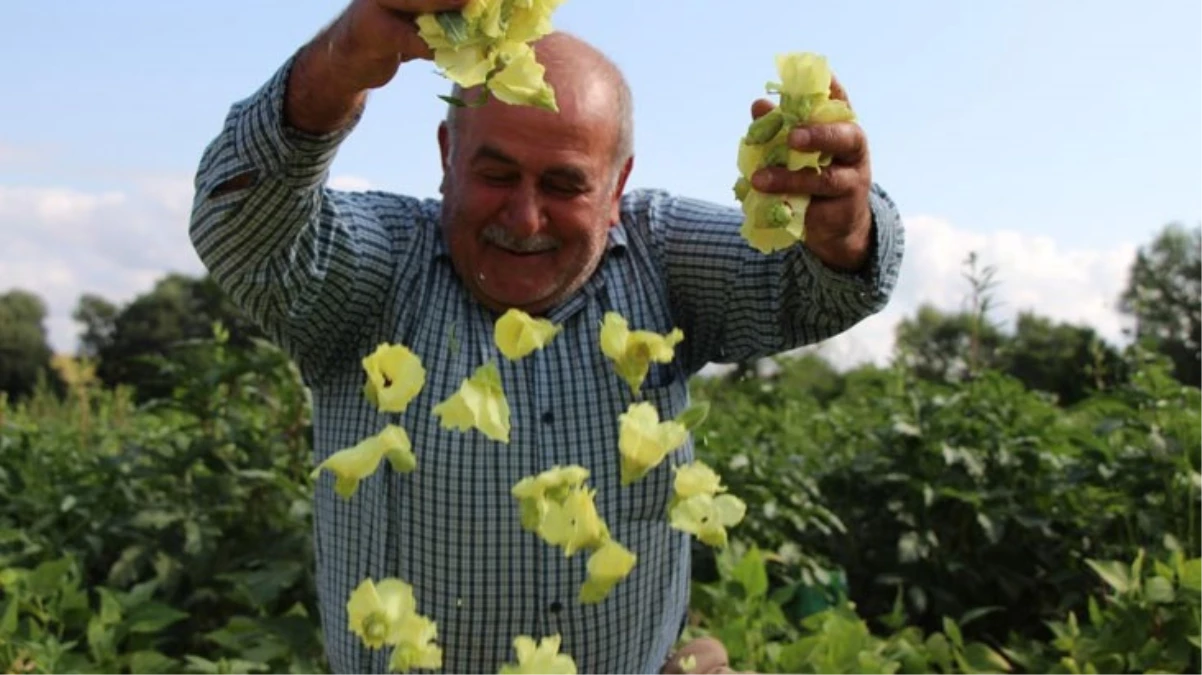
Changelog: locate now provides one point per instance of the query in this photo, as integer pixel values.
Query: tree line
(120, 344)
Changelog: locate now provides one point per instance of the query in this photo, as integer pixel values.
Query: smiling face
(530, 195)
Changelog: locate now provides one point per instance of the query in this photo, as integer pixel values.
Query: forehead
(583, 130)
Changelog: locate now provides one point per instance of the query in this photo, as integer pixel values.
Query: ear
(619, 188)
(444, 151)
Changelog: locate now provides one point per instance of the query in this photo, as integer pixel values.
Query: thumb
(838, 92)
(761, 107)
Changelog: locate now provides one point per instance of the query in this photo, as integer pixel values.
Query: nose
(523, 215)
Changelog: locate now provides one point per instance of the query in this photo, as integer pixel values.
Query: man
(534, 215)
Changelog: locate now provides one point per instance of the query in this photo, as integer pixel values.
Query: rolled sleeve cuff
(264, 139)
(868, 290)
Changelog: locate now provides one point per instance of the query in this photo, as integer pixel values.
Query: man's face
(529, 197)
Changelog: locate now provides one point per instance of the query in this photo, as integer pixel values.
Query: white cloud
(1080, 284)
(63, 242)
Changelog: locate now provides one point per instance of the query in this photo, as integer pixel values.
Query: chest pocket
(648, 497)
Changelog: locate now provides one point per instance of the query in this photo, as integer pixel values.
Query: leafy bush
(894, 525)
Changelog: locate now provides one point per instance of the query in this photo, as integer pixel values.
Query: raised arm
(310, 265)
(735, 303)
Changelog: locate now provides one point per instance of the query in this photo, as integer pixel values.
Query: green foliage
(896, 522)
(958, 497)
(131, 342)
(24, 348)
(176, 539)
(1164, 296)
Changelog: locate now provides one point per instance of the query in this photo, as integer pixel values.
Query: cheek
(580, 226)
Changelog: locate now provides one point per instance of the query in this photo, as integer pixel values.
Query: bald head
(576, 70)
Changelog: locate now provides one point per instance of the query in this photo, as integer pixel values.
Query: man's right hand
(361, 50)
(372, 38)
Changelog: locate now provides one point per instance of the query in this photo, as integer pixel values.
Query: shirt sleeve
(734, 303)
(311, 266)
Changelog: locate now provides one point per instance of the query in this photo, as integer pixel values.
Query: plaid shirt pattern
(331, 274)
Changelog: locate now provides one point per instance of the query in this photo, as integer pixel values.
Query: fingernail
(800, 137)
(761, 181)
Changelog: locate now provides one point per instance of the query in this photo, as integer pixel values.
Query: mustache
(499, 236)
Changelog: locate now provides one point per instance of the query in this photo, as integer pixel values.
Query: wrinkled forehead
(587, 115)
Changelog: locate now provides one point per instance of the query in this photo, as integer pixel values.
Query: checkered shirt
(331, 274)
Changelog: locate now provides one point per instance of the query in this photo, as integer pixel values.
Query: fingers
(832, 181)
(837, 91)
(831, 219)
(708, 656)
(761, 107)
(843, 141)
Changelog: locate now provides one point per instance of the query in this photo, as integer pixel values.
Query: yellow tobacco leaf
(480, 403)
(376, 611)
(608, 565)
(773, 222)
(353, 464)
(543, 657)
(633, 351)
(485, 17)
(414, 639)
(467, 66)
(530, 19)
(574, 523)
(644, 441)
(707, 517)
(803, 74)
(520, 80)
(535, 494)
(831, 110)
(394, 377)
(517, 334)
(696, 478)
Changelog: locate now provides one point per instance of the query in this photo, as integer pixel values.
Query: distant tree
(178, 309)
(1164, 296)
(98, 317)
(25, 353)
(946, 346)
(1059, 358)
(1069, 361)
(953, 346)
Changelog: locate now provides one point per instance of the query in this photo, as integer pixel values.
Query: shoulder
(391, 207)
(658, 216)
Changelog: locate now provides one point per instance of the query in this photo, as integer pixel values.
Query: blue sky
(1069, 127)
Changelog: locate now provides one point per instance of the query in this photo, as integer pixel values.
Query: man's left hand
(838, 220)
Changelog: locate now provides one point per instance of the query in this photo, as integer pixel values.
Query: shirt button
(556, 607)
(548, 417)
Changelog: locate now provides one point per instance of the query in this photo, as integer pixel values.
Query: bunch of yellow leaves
(699, 506)
(543, 657)
(633, 351)
(774, 222)
(385, 614)
(480, 403)
(488, 43)
(644, 441)
(558, 507)
(395, 376)
(352, 465)
(517, 334)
